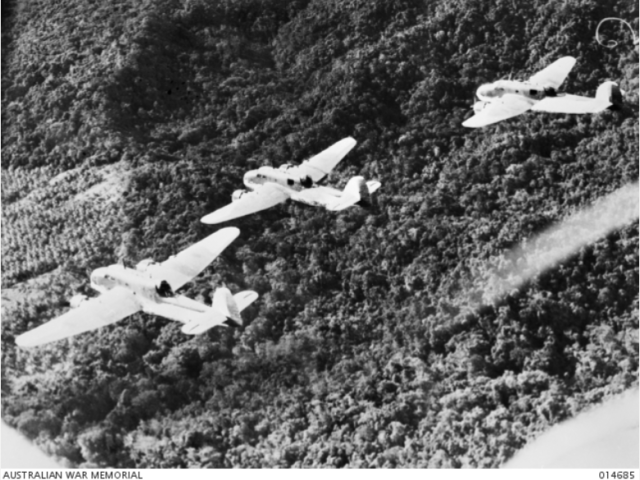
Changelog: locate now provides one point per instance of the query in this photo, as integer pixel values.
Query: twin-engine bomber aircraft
(269, 186)
(150, 287)
(508, 98)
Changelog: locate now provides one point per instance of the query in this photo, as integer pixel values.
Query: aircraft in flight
(149, 287)
(268, 186)
(504, 99)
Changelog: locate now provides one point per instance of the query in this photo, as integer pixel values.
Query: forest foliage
(124, 122)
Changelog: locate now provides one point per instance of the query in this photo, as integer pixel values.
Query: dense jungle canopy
(124, 122)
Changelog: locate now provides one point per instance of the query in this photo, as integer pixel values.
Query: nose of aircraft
(250, 177)
(486, 91)
(97, 275)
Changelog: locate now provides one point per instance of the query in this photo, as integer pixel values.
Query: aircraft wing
(321, 165)
(554, 74)
(264, 197)
(97, 312)
(183, 267)
(505, 107)
(571, 104)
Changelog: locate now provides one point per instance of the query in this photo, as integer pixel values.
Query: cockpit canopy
(252, 176)
(488, 90)
(286, 167)
(143, 265)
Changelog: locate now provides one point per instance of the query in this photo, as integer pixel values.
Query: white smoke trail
(558, 243)
(607, 436)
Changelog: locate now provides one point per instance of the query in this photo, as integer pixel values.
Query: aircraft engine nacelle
(164, 290)
(77, 300)
(238, 194)
(479, 106)
(143, 265)
(306, 182)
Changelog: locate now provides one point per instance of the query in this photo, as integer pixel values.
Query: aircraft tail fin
(356, 192)
(609, 92)
(231, 306)
(224, 303)
(225, 311)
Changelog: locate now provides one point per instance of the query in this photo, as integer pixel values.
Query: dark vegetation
(364, 348)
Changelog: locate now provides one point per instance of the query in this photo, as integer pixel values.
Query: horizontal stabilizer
(373, 185)
(225, 311)
(355, 191)
(244, 299)
(207, 320)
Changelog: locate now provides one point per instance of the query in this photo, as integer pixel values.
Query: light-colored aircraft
(270, 186)
(149, 287)
(508, 98)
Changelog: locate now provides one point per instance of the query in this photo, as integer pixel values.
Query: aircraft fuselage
(291, 184)
(279, 176)
(155, 296)
(104, 279)
(491, 91)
